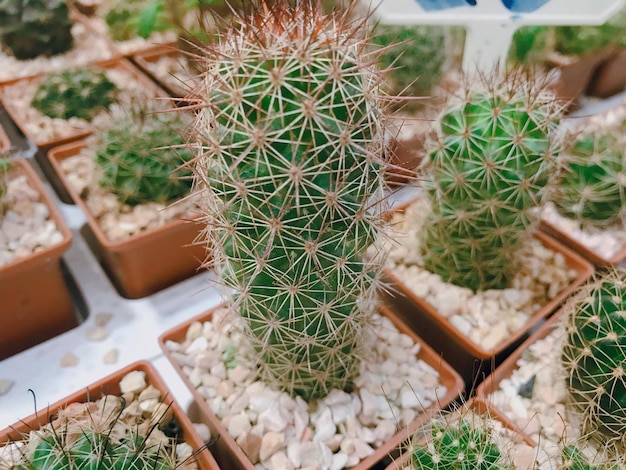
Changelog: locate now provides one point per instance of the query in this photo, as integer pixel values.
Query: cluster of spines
(493, 163)
(594, 357)
(289, 170)
(592, 187)
(80, 93)
(142, 157)
(29, 28)
(5, 165)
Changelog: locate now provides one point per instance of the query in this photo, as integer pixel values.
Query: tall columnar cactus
(592, 188)
(594, 357)
(492, 164)
(289, 171)
(417, 59)
(80, 93)
(29, 28)
(460, 445)
(141, 157)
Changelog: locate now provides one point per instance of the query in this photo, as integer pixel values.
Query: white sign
(490, 24)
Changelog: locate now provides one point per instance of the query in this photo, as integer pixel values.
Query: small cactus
(289, 176)
(491, 166)
(141, 157)
(417, 59)
(592, 187)
(594, 357)
(459, 443)
(573, 459)
(29, 28)
(78, 93)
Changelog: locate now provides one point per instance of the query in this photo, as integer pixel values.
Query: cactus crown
(594, 357)
(289, 170)
(141, 157)
(29, 28)
(80, 93)
(491, 166)
(416, 61)
(456, 442)
(592, 188)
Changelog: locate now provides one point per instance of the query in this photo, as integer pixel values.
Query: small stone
(279, 461)
(204, 432)
(324, 426)
(238, 424)
(238, 374)
(271, 443)
(5, 386)
(103, 319)
(198, 344)
(97, 333)
(111, 356)
(133, 382)
(194, 331)
(250, 443)
(148, 393)
(69, 360)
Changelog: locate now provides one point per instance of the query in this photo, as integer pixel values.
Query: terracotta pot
(581, 249)
(44, 144)
(145, 61)
(5, 143)
(231, 456)
(480, 407)
(576, 73)
(610, 77)
(110, 386)
(143, 263)
(36, 303)
(405, 155)
(470, 359)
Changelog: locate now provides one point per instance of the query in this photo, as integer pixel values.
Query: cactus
(573, 459)
(416, 61)
(592, 188)
(81, 93)
(29, 28)
(465, 443)
(594, 357)
(490, 168)
(530, 44)
(289, 173)
(139, 161)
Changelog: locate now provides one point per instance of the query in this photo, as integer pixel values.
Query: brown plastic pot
(36, 303)
(110, 386)
(610, 77)
(480, 407)
(231, 456)
(506, 369)
(145, 61)
(405, 155)
(143, 263)
(471, 360)
(580, 248)
(45, 144)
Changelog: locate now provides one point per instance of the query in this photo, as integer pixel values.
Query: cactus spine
(4, 181)
(29, 28)
(141, 157)
(78, 93)
(491, 166)
(594, 357)
(289, 171)
(592, 189)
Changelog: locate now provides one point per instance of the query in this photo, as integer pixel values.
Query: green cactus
(416, 60)
(461, 445)
(592, 187)
(573, 459)
(80, 93)
(492, 166)
(140, 160)
(29, 28)
(594, 357)
(289, 174)
(530, 44)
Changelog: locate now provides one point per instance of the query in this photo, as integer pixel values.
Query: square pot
(580, 248)
(472, 360)
(230, 455)
(80, 131)
(110, 385)
(36, 302)
(145, 262)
